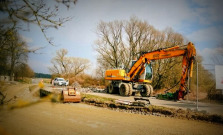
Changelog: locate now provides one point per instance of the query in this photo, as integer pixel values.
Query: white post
(197, 86)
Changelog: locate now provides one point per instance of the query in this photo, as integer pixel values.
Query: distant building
(5, 78)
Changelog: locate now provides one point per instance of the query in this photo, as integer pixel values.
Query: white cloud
(210, 55)
(164, 14)
(39, 66)
(209, 51)
(206, 34)
(159, 13)
(209, 12)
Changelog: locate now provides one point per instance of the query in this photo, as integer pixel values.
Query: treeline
(42, 75)
(14, 55)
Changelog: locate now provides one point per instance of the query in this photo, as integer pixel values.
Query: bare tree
(16, 51)
(23, 70)
(140, 38)
(68, 66)
(3, 52)
(120, 42)
(59, 62)
(167, 71)
(33, 11)
(13, 52)
(100, 72)
(78, 65)
(110, 45)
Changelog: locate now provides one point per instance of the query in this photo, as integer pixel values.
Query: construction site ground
(78, 118)
(184, 104)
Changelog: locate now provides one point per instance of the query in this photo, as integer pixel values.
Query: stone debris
(88, 89)
(123, 102)
(76, 85)
(91, 90)
(142, 103)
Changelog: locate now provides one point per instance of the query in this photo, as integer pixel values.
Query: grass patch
(24, 80)
(161, 110)
(46, 80)
(87, 97)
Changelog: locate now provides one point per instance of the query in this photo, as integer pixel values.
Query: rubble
(88, 89)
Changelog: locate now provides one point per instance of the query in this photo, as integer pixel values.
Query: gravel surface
(46, 118)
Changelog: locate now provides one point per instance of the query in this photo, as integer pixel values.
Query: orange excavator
(140, 75)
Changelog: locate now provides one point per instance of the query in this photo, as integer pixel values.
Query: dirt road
(69, 119)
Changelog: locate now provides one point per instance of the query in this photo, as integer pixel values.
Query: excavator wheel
(130, 89)
(111, 89)
(124, 89)
(146, 91)
(107, 89)
(151, 90)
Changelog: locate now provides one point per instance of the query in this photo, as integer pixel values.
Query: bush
(24, 80)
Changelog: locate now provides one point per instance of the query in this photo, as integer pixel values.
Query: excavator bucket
(71, 95)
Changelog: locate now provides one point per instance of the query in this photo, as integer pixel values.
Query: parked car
(60, 82)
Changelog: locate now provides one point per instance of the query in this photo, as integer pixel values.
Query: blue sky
(200, 21)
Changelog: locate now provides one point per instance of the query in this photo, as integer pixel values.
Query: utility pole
(188, 84)
(197, 87)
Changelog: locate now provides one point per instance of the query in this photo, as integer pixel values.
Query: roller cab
(71, 95)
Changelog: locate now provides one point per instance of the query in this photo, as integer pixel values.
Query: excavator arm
(188, 54)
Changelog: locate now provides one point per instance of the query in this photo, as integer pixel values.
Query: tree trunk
(11, 72)
(12, 65)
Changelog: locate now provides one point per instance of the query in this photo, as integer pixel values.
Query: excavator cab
(147, 75)
(149, 72)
